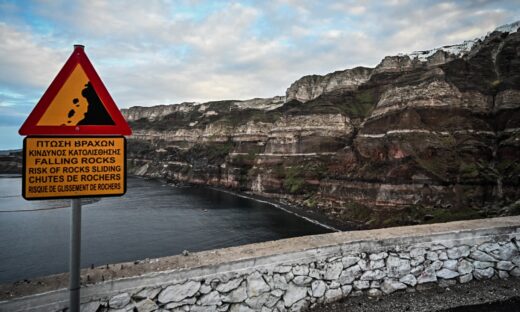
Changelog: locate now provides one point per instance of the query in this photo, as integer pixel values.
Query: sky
(162, 52)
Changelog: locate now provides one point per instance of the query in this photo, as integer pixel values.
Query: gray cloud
(166, 52)
(160, 52)
(25, 60)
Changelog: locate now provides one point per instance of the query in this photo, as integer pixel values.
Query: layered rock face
(417, 139)
(310, 87)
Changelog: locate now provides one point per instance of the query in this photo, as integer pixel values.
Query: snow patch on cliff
(458, 50)
(461, 49)
(513, 27)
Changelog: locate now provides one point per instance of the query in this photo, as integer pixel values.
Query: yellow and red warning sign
(76, 103)
(60, 167)
(75, 146)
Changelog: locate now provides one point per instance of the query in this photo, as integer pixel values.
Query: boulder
(187, 301)
(374, 293)
(427, 276)
(256, 285)
(119, 301)
(349, 261)
(417, 252)
(482, 264)
(458, 252)
(347, 289)
(360, 285)
(300, 270)
(389, 286)
(408, 279)
(333, 270)
(465, 278)
(257, 302)
(432, 256)
(450, 264)
(372, 275)
(481, 274)
(146, 305)
(447, 274)
(515, 272)
(318, 288)
(212, 298)
(378, 256)
(397, 267)
(230, 285)
(507, 251)
(350, 274)
(488, 247)
(279, 282)
(301, 280)
(293, 294)
(240, 308)
(179, 292)
(465, 267)
(90, 306)
(481, 256)
(147, 293)
(505, 265)
(377, 264)
(333, 295)
(503, 274)
(235, 296)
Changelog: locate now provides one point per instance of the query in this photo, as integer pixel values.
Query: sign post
(75, 147)
(75, 255)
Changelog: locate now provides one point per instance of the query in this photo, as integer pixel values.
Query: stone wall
(293, 274)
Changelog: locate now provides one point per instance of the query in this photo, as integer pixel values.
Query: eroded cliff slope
(425, 137)
(11, 162)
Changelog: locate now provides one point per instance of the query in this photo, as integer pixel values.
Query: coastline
(10, 175)
(310, 216)
(298, 212)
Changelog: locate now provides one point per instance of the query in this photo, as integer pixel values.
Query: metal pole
(75, 255)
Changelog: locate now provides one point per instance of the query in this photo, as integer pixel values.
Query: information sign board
(68, 167)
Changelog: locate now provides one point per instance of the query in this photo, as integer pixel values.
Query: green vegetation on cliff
(408, 142)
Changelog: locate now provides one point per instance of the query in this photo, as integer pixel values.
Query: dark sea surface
(151, 220)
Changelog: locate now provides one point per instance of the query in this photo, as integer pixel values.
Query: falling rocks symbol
(96, 113)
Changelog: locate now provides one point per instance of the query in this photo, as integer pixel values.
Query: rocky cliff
(11, 162)
(424, 137)
(310, 87)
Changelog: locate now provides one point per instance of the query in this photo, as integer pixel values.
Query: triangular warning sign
(76, 103)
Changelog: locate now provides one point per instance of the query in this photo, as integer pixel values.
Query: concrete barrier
(289, 274)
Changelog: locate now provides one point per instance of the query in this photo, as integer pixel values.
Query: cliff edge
(429, 136)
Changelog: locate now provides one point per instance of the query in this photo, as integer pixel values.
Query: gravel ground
(488, 296)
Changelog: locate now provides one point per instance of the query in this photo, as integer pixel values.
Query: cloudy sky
(159, 52)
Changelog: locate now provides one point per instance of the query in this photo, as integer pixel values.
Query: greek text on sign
(63, 167)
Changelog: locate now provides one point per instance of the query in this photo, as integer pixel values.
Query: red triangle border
(78, 56)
